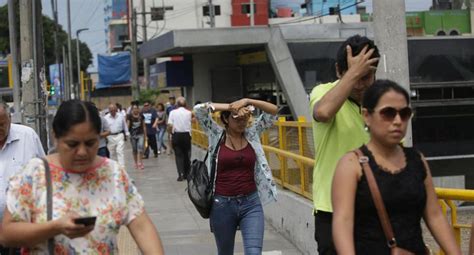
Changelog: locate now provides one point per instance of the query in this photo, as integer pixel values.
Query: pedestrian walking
(82, 185)
(149, 114)
(179, 124)
(170, 106)
(338, 126)
(403, 178)
(104, 132)
(161, 127)
(18, 144)
(243, 178)
(136, 126)
(118, 133)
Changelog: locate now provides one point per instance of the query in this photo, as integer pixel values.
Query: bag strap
(377, 198)
(213, 158)
(49, 200)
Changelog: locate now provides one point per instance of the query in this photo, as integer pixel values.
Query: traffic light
(52, 90)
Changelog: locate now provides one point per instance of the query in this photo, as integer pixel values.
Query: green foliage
(148, 95)
(48, 39)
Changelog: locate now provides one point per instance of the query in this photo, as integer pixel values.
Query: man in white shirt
(18, 144)
(179, 124)
(116, 138)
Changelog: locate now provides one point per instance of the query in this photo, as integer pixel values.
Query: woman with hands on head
(83, 185)
(243, 179)
(402, 175)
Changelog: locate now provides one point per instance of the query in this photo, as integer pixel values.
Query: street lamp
(77, 90)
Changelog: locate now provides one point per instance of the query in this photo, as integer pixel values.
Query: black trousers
(323, 233)
(182, 150)
(152, 144)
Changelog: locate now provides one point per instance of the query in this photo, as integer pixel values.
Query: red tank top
(235, 171)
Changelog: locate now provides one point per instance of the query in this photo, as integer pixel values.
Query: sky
(90, 14)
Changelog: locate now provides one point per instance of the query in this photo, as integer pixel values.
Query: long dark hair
(373, 94)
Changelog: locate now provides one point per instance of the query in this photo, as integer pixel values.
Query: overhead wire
(79, 11)
(303, 19)
(93, 13)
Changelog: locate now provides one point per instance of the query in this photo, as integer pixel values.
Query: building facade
(327, 7)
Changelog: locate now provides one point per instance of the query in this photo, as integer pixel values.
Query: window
(246, 8)
(217, 10)
(158, 13)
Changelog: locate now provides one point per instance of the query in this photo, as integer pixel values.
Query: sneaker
(141, 166)
(180, 179)
(159, 152)
(137, 166)
(156, 155)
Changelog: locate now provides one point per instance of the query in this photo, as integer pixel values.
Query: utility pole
(212, 15)
(135, 85)
(14, 56)
(54, 6)
(79, 59)
(391, 39)
(252, 14)
(67, 89)
(33, 72)
(71, 77)
(145, 60)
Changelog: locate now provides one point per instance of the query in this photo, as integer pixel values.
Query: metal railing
(289, 150)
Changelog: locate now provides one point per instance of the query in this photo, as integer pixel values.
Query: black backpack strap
(49, 200)
(213, 159)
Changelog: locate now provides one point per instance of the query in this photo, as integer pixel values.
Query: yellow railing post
(81, 83)
(266, 141)
(454, 221)
(301, 120)
(283, 161)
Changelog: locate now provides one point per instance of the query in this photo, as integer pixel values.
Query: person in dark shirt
(151, 122)
(403, 178)
(137, 129)
(243, 178)
(171, 105)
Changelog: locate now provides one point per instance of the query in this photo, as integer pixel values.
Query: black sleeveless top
(404, 196)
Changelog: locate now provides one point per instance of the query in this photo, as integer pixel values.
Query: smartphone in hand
(86, 221)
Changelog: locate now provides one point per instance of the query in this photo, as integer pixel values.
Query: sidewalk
(182, 230)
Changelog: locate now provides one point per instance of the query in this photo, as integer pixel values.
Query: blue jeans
(244, 211)
(159, 138)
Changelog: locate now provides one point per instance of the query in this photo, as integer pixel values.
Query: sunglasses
(389, 113)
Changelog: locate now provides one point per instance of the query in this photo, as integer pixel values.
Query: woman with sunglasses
(402, 175)
(243, 179)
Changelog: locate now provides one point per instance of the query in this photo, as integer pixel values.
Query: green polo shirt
(332, 140)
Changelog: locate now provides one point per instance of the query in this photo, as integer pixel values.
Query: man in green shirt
(338, 126)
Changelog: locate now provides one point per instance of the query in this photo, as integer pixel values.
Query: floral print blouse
(263, 175)
(105, 191)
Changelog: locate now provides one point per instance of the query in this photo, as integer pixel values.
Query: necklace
(241, 156)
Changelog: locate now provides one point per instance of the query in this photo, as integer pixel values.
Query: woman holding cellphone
(92, 196)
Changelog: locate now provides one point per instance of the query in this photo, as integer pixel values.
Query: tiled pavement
(182, 230)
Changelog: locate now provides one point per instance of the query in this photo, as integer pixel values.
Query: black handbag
(200, 185)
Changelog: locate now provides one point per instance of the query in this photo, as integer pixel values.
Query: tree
(48, 37)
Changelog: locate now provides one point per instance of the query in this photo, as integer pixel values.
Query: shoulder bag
(379, 205)
(49, 201)
(200, 184)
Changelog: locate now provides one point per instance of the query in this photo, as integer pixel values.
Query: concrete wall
(186, 14)
(202, 66)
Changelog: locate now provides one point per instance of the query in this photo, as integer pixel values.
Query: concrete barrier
(291, 215)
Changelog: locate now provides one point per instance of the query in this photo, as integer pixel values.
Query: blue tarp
(114, 69)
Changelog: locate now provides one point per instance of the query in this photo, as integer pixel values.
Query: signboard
(56, 75)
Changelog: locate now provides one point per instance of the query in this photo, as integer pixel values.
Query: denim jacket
(262, 174)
